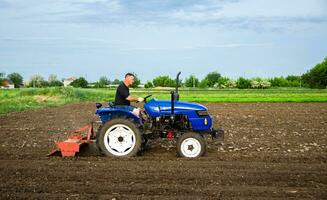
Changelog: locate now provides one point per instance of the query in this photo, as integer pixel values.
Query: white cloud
(253, 14)
(230, 14)
(229, 45)
(276, 8)
(59, 10)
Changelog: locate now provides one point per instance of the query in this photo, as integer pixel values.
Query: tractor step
(72, 145)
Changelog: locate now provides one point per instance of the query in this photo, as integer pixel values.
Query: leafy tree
(2, 75)
(317, 76)
(103, 81)
(159, 81)
(98, 85)
(294, 81)
(243, 83)
(16, 78)
(212, 78)
(52, 77)
(203, 83)
(192, 81)
(116, 82)
(56, 83)
(137, 81)
(80, 82)
(279, 82)
(172, 82)
(37, 81)
(293, 78)
(163, 81)
(53, 81)
(148, 85)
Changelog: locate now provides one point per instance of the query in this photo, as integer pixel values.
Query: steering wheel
(145, 98)
(150, 95)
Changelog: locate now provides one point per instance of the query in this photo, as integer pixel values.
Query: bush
(163, 81)
(231, 84)
(191, 81)
(103, 82)
(148, 85)
(222, 82)
(203, 83)
(265, 84)
(212, 78)
(255, 83)
(55, 83)
(38, 81)
(243, 83)
(116, 82)
(260, 83)
(289, 81)
(278, 82)
(80, 82)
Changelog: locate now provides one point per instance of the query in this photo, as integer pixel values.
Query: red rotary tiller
(72, 145)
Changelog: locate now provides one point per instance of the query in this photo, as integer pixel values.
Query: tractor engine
(167, 126)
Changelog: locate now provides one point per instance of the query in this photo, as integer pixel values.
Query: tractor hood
(158, 107)
(180, 105)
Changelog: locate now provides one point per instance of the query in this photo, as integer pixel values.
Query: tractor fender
(108, 114)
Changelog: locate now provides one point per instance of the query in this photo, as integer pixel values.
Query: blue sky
(94, 38)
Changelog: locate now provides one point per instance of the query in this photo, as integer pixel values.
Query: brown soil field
(270, 151)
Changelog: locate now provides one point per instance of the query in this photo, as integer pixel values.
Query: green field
(30, 98)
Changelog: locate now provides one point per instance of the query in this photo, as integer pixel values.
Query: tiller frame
(72, 145)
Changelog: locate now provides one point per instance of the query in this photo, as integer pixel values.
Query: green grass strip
(31, 98)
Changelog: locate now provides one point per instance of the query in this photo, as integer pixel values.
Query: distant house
(68, 81)
(7, 84)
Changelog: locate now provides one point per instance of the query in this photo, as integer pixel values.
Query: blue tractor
(124, 134)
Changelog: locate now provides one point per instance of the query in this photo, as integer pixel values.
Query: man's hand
(140, 99)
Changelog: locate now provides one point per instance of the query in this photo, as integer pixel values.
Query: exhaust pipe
(176, 95)
(172, 102)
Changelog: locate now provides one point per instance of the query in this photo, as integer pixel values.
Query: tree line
(215, 80)
(314, 78)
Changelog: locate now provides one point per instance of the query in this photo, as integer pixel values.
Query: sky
(94, 38)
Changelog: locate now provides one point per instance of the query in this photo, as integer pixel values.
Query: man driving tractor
(123, 99)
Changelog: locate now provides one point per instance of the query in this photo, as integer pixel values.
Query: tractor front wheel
(191, 145)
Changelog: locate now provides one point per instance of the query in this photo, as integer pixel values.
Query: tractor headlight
(202, 113)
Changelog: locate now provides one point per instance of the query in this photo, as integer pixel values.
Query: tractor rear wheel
(191, 145)
(119, 137)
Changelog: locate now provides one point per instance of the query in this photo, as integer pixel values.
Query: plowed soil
(270, 151)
